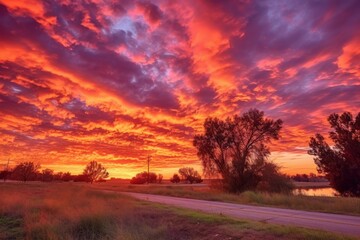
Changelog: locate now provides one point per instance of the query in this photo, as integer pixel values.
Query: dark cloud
(151, 11)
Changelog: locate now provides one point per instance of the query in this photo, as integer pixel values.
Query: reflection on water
(328, 192)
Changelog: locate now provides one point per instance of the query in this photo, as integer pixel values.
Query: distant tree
(190, 175)
(175, 178)
(160, 178)
(82, 178)
(340, 163)
(66, 177)
(142, 178)
(58, 176)
(26, 171)
(5, 174)
(47, 175)
(95, 171)
(237, 148)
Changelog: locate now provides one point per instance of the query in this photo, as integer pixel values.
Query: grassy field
(341, 205)
(72, 211)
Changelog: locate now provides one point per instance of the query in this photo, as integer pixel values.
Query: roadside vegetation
(340, 205)
(73, 211)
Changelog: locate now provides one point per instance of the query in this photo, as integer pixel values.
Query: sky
(117, 81)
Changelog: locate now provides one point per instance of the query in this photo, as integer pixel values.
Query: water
(327, 192)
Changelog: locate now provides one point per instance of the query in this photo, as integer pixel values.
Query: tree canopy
(237, 148)
(190, 175)
(175, 178)
(341, 162)
(144, 177)
(95, 171)
(26, 171)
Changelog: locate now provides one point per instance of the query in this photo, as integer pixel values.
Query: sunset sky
(116, 81)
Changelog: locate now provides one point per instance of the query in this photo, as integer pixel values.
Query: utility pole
(148, 163)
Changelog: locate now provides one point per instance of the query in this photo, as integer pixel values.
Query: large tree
(95, 171)
(236, 148)
(340, 162)
(26, 171)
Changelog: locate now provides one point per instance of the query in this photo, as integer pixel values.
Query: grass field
(341, 205)
(72, 211)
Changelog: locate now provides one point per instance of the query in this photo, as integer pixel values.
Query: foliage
(95, 171)
(190, 175)
(160, 178)
(66, 177)
(312, 177)
(273, 181)
(47, 175)
(175, 178)
(82, 178)
(144, 177)
(26, 171)
(340, 163)
(236, 148)
(5, 174)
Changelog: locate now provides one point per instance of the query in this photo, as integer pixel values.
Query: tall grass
(68, 211)
(63, 211)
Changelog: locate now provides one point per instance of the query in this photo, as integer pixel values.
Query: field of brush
(84, 211)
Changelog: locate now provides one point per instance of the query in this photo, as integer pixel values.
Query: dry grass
(339, 205)
(72, 211)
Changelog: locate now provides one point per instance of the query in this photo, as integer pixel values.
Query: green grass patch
(11, 227)
(241, 227)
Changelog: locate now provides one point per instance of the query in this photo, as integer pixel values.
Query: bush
(143, 177)
(273, 181)
(190, 175)
(175, 178)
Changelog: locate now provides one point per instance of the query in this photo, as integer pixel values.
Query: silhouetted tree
(142, 178)
(312, 177)
(341, 162)
(175, 178)
(5, 174)
(47, 175)
(190, 175)
(236, 148)
(82, 178)
(26, 171)
(66, 177)
(160, 178)
(95, 171)
(274, 181)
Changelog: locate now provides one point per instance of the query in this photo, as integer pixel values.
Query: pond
(327, 192)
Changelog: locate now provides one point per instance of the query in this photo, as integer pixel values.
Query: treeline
(312, 177)
(30, 171)
(186, 175)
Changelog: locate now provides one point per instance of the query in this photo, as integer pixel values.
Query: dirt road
(325, 221)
